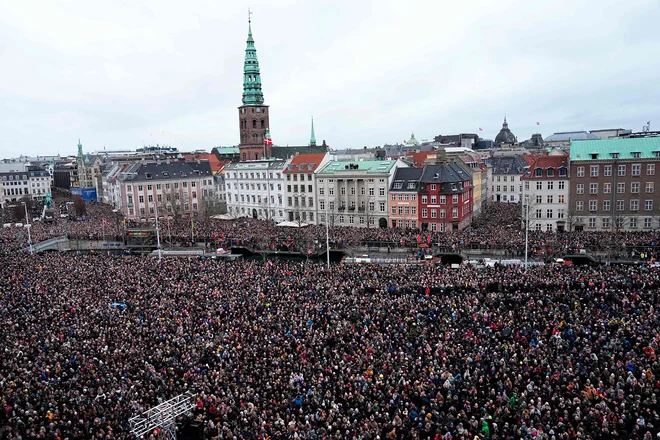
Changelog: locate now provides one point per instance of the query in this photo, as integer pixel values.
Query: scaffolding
(163, 416)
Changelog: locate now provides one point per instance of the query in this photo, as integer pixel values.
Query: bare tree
(79, 205)
(573, 218)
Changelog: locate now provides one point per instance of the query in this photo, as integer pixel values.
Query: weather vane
(249, 16)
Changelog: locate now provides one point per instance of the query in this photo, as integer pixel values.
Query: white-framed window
(636, 169)
(561, 184)
(592, 222)
(579, 205)
(648, 222)
(649, 187)
(593, 205)
(548, 213)
(580, 171)
(634, 187)
(593, 170)
(606, 223)
(633, 222)
(648, 205)
(607, 170)
(580, 188)
(425, 213)
(454, 198)
(454, 213)
(551, 185)
(434, 213)
(650, 169)
(593, 188)
(620, 205)
(606, 205)
(607, 188)
(539, 186)
(621, 170)
(620, 188)
(634, 205)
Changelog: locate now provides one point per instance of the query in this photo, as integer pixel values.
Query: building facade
(34, 183)
(355, 193)
(613, 184)
(169, 188)
(445, 198)
(506, 178)
(300, 187)
(256, 189)
(404, 200)
(546, 189)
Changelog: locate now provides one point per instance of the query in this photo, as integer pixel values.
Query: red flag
(268, 141)
(428, 239)
(481, 129)
(419, 238)
(538, 123)
(404, 141)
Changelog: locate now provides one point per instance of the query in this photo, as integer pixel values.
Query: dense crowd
(281, 350)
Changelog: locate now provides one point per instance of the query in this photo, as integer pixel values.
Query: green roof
(646, 147)
(227, 150)
(369, 166)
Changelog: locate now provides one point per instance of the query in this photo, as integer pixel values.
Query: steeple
(80, 153)
(252, 94)
(312, 139)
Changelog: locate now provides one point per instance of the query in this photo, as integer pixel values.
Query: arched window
(256, 156)
(254, 123)
(263, 124)
(244, 155)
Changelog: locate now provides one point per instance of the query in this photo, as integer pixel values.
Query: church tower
(253, 114)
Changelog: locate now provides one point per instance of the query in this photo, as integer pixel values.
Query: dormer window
(614, 155)
(147, 175)
(398, 185)
(550, 172)
(538, 172)
(594, 156)
(656, 153)
(636, 154)
(411, 185)
(183, 174)
(166, 174)
(562, 172)
(302, 166)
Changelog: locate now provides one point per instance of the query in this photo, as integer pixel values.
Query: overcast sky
(121, 73)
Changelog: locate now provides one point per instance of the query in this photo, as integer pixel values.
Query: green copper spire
(79, 149)
(252, 94)
(312, 139)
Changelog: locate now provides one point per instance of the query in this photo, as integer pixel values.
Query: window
(425, 213)
(443, 213)
(331, 191)
(549, 199)
(539, 186)
(551, 185)
(538, 199)
(648, 205)
(580, 171)
(538, 227)
(634, 205)
(371, 191)
(393, 209)
(579, 205)
(433, 200)
(634, 187)
(321, 191)
(454, 213)
(607, 170)
(593, 172)
(606, 205)
(538, 213)
(621, 171)
(593, 188)
(434, 213)
(562, 172)
(593, 205)
(650, 169)
(606, 223)
(454, 198)
(633, 222)
(551, 172)
(620, 205)
(443, 200)
(141, 199)
(424, 199)
(548, 227)
(381, 205)
(538, 172)
(636, 169)
(322, 205)
(561, 184)
(342, 190)
(620, 188)
(498, 188)
(548, 213)
(649, 187)
(504, 198)
(140, 187)
(580, 188)
(341, 219)
(560, 213)
(526, 186)
(607, 188)
(561, 198)
(647, 222)
(381, 191)
(592, 222)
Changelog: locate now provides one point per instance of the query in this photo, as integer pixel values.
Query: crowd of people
(281, 350)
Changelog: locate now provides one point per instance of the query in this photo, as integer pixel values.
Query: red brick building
(445, 198)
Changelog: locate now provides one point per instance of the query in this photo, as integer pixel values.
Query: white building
(355, 193)
(506, 178)
(256, 189)
(546, 186)
(300, 187)
(33, 182)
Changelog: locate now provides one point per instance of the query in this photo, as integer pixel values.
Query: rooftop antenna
(249, 16)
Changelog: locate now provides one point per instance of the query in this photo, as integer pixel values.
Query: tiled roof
(548, 168)
(567, 136)
(305, 163)
(159, 171)
(420, 157)
(406, 179)
(625, 147)
(509, 165)
(216, 164)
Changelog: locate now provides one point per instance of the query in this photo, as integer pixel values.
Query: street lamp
(28, 226)
(526, 228)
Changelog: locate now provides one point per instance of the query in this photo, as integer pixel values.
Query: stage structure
(163, 416)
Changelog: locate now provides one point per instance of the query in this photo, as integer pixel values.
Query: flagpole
(327, 235)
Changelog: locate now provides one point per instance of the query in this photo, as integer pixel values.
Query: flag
(428, 240)
(419, 238)
(481, 129)
(192, 223)
(538, 123)
(404, 141)
(268, 141)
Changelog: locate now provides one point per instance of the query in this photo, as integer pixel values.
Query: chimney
(441, 156)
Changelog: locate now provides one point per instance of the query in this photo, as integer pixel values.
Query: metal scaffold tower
(163, 416)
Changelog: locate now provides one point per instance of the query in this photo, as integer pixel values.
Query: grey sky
(123, 72)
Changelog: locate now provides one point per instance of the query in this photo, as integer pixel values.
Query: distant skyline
(125, 73)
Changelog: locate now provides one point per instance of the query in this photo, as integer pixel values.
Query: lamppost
(526, 228)
(28, 226)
